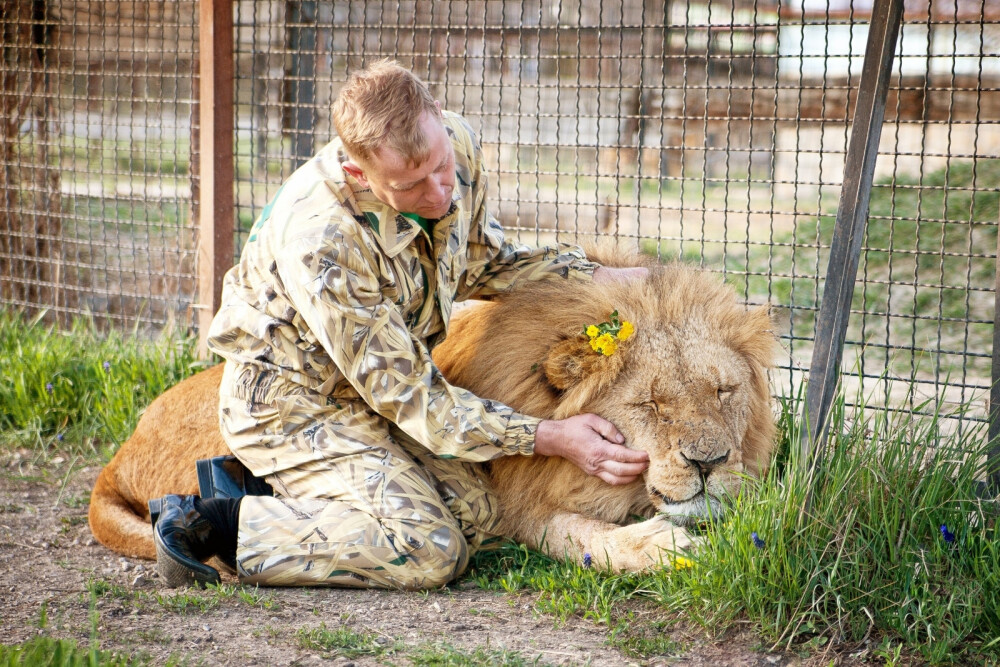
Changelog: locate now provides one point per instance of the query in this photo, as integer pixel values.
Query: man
(344, 286)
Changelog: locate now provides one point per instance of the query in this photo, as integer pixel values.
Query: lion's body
(689, 387)
(178, 428)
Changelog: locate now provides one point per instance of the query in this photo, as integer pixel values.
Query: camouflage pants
(355, 503)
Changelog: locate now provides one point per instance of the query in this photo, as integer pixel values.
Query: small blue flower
(59, 437)
(107, 366)
(587, 560)
(948, 536)
(757, 542)
(48, 388)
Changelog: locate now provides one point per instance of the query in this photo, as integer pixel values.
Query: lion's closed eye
(725, 392)
(650, 405)
(656, 409)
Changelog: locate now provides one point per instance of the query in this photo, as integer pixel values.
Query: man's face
(425, 188)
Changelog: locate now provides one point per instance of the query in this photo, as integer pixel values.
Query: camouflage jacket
(338, 296)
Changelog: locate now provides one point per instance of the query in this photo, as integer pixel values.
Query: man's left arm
(493, 267)
(493, 264)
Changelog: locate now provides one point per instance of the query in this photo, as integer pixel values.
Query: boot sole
(176, 574)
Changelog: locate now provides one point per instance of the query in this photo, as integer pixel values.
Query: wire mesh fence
(714, 132)
(95, 191)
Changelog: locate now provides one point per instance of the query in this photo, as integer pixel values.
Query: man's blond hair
(381, 105)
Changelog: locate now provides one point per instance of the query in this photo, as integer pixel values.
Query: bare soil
(50, 564)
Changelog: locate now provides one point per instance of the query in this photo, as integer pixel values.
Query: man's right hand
(594, 445)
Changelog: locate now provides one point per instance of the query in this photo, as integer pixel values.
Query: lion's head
(689, 386)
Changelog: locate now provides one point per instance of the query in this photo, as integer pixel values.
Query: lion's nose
(706, 466)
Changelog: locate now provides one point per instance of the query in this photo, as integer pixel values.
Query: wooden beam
(216, 210)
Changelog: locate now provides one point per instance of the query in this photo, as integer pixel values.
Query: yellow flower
(606, 345)
(682, 563)
(604, 336)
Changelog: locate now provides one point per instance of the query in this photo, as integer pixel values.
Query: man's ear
(357, 173)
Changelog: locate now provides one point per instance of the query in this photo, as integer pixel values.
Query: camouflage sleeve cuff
(519, 437)
(574, 263)
(582, 269)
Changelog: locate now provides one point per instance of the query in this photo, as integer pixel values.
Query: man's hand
(607, 274)
(594, 445)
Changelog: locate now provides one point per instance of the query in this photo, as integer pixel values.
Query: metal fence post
(216, 206)
(302, 82)
(993, 454)
(852, 215)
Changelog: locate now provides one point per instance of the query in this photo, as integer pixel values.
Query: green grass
(867, 560)
(929, 228)
(99, 216)
(643, 640)
(442, 654)
(926, 250)
(183, 601)
(869, 555)
(44, 651)
(160, 157)
(80, 391)
(344, 642)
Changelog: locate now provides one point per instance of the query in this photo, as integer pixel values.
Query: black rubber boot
(183, 538)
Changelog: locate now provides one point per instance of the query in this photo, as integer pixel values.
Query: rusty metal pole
(852, 216)
(216, 207)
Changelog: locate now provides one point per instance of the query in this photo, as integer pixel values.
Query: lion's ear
(580, 374)
(574, 367)
(568, 363)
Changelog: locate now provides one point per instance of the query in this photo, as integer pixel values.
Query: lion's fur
(178, 428)
(511, 350)
(527, 350)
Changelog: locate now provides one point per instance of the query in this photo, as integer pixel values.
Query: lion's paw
(652, 543)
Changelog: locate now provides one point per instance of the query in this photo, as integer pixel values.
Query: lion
(690, 387)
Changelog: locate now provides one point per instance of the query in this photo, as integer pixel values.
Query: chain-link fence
(95, 160)
(711, 131)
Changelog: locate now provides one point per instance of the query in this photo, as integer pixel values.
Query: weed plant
(443, 654)
(893, 543)
(80, 392)
(345, 642)
(43, 651)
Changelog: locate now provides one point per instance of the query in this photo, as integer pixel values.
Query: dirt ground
(50, 564)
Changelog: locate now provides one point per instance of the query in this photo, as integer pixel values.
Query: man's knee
(442, 557)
